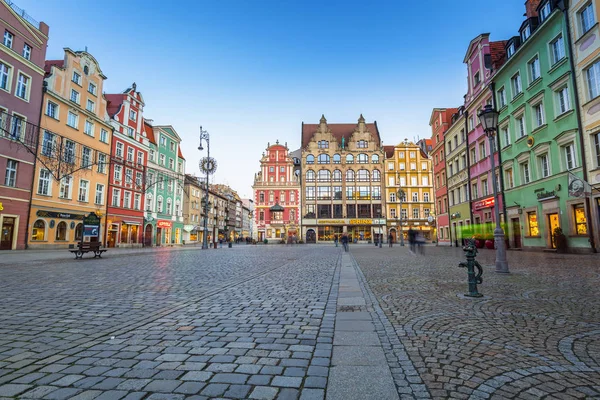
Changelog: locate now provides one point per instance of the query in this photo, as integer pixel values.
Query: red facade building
(129, 159)
(277, 196)
(440, 121)
(21, 79)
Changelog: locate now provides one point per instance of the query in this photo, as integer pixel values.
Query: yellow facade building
(71, 173)
(408, 169)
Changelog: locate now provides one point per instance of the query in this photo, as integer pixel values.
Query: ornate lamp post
(489, 120)
(209, 166)
(380, 230)
(401, 195)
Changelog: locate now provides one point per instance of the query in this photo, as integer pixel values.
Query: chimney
(531, 8)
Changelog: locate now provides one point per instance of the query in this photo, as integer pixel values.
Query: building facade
(248, 204)
(478, 96)
(71, 178)
(538, 130)
(342, 186)
(585, 36)
(276, 196)
(193, 210)
(439, 122)
(408, 168)
(458, 204)
(129, 156)
(22, 55)
(165, 181)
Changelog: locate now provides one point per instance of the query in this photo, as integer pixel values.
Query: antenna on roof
(86, 49)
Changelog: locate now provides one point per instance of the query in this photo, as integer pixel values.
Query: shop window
(38, 232)
(79, 232)
(61, 231)
(580, 219)
(532, 223)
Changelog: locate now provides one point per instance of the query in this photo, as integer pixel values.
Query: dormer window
(477, 78)
(544, 11)
(525, 33)
(510, 50)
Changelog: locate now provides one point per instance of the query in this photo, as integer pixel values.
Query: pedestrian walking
(391, 239)
(345, 241)
(420, 239)
(412, 236)
(335, 240)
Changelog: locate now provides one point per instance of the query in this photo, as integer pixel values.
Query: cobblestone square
(297, 322)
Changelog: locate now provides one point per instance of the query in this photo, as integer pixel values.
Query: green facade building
(538, 133)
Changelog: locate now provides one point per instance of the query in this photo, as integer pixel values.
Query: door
(148, 236)
(311, 237)
(112, 238)
(553, 224)
(516, 228)
(158, 236)
(8, 229)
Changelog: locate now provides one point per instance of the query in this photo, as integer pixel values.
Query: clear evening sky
(251, 71)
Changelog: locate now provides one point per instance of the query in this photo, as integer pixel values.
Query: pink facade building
(478, 95)
(21, 82)
(277, 196)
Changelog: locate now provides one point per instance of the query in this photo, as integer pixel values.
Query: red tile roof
(389, 151)
(48, 64)
(179, 153)
(149, 132)
(498, 52)
(114, 102)
(338, 131)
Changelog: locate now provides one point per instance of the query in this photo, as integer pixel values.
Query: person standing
(391, 239)
(411, 239)
(335, 240)
(345, 241)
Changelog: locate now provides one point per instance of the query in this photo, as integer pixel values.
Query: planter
(479, 243)
(489, 244)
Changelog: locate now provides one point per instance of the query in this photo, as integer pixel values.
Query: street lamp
(208, 165)
(489, 120)
(400, 199)
(380, 232)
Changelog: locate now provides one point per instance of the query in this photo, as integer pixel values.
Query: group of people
(416, 240)
(344, 239)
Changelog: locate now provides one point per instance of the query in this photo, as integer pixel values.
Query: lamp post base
(500, 243)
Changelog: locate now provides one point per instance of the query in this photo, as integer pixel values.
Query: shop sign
(163, 224)
(379, 221)
(546, 195)
(485, 203)
(361, 221)
(1, 206)
(91, 227)
(331, 222)
(52, 214)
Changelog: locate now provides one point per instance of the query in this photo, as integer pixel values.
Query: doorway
(516, 228)
(553, 223)
(158, 236)
(8, 231)
(148, 236)
(112, 238)
(311, 237)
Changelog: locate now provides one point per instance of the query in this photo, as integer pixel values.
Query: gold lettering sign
(330, 221)
(361, 221)
(1, 206)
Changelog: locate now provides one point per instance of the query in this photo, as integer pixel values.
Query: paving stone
(62, 393)
(287, 381)
(162, 385)
(202, 376)
(214, 389)
(238, 391)
(190, 387)
(264, 392)
(11, 390)
(312, 394)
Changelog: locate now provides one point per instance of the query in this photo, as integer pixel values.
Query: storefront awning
(131, 222)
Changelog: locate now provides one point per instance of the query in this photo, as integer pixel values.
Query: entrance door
(112, 238)
(158, 236)
(516, 228)
(553, 224)
(8, 228)
(311, 236)
(148, 236)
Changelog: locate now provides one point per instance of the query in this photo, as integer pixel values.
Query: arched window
(376, 176)
(362, 159)
(415, 197)
(177, 207)
(39, 230)
(169, 206)
(310, 159)
(149, 202)
(324, 176)
(363, 175)
(337, 159)
(349, 176)
(310, 175)
(79, 231)
(159, 204)
(61, 231)
(337, 175)
(375, 159)
(323, 159)
(349, 159)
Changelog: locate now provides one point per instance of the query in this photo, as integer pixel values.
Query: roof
(179, 153)
(498, 53)
(389, 151)
(276, 208)
(149, 133)
(472, 43)
(114, 102)
(338, 131)
(48, 64)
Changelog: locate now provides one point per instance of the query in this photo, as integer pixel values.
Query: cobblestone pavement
(535, 334)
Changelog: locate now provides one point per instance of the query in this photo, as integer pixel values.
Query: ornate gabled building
(342, 168)
(276, 196)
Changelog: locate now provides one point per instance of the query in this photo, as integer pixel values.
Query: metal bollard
(474, 278)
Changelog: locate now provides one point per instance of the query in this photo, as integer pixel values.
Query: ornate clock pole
(209, 166)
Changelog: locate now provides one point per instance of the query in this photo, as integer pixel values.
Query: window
(88, 129)
(126, 199)
(151, 155)
(477, 78)
(413, 181)
(362, 175)
(586, 18)
(510, 50)
(390, 166)
(162, 159)
(412, 154)
(324, 176)
(362, 144)
(349, 176)
(128, 175)
(426, 197)
(558, 49)
(502, 97)
(130, 131)
(99, 194)
(172, 146)
(48, 144)
(83, 190)
(86, 158)
(376, 176)
(72, 120)
(580, 219)
(76, 78)
(525, 171)
(544, 11)
(171, 164)
(61, 231)
(508, 176)
(169, 206)
(323, 159)
(323, 144)
(538, 115)
(138, 179)
(534, 69)
(484, 187)
(473, 156)
(562, 99)
(116, 198)
(423, 166)
(597, 147)
(74, 96)
(413, 166)
(130, 154)
(482, 154)
(593, 80)
(520, 126)
(39, 230)
(425, 180)
(10, 177)
(140, 158)
(544, 165)
(27, 51)
(8, 39)
(475, 191)
(310, 159)
(570, 156)
(132, 115)
(471, 123)
(137, 199)
(44, 187)
(415, 213)
(69, 152)
(516, 85)
(310, 176)
(362, 159)
(22, 87)
(92, 88)
(119, 149)
(532, 224)
(52, 110)
(375, 159)
(159, 204)
(349, 159)
(118, 173)
(505, 135)
(91, 106)
(402, 166)
(4, 76)
(104, 135)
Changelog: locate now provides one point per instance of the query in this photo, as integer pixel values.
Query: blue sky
(250, 72)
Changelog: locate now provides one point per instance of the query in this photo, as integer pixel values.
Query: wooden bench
(87, 247)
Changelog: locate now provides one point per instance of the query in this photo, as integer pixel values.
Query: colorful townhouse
(193, 211)
(342, 181)
(164, 221)
(439, 122)
(22, 55)
(277, 196)
(71, 178)
(409, 168)
(585, 37)
(479, 76)
(458, 178)
(539, 134)
(129, 156)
